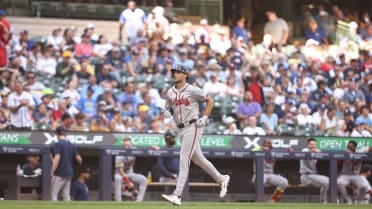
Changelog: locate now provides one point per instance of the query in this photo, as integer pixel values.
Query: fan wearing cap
(4, 38)
(65, 68)
(79, 187)
(360, 129)
(64, 155)
(231, 127)
(183, 101)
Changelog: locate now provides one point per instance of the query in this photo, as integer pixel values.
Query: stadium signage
(13, 138)
(254, 142)
(75, 139)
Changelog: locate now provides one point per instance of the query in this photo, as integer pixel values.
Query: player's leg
(188, 139)
(56, 186)
(280, 182)
(318, 181)
(362, 185)
(66, 189)
(199, 159)
(118, 183)
(342, 182)
(141, 180)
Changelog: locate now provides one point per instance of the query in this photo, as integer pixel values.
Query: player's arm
(209, 106)
(55, 162)
(121, 25)
(125, 178)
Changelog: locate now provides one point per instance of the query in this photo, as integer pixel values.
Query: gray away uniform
(350, 175)
(309, 175)
(127, 163)
(185, 106)
(269, 177)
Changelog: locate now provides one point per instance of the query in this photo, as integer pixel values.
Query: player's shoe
(174, 199)
(224, 185)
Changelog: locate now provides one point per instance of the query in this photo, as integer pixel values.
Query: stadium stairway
(42, 27)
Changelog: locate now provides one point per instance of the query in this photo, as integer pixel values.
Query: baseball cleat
(224, 185)
(174, 199)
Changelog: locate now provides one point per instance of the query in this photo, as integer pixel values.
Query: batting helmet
(180, 68)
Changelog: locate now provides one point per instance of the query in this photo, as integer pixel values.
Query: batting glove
(203, 121)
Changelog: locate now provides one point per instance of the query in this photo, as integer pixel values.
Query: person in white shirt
(304, 118)
(21, 105)
(203, 30)
(360, 129)
(46, 64)
(35, 87)
(213, 86)
(132, 19)
(220, 43)
(252, 128)
(231, 127)
(56, 39)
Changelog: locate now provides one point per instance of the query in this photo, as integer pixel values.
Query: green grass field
(165, 205)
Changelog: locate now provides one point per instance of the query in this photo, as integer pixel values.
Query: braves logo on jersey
(181, 101)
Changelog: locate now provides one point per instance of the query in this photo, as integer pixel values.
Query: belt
(183, 125)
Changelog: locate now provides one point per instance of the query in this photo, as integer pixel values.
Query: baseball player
(366, 192)
(309, 173)
(269, 177)
(350, 174)
(183, 103)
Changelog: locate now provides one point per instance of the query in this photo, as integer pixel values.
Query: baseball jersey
(22, 117)
(185, 102)
(308, 166)
(125, 162)
(351, 167)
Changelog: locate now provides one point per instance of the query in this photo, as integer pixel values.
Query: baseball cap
(90, 26)
(359, 121)
(67, 54)
(366, 167)
(347, 112)
(60, 131)
(322, 107)
(143, 108)
(169, 135)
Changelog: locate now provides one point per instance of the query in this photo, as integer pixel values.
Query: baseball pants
(363, 195)
(318, 181)
(135, 178)
(190, 150)
(61, 183)
(355, 180)
(273, 179)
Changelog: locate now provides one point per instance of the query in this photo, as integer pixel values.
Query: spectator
(232, 89)
(288, 115)
(116, 124)
(4, 38)
(304, 118)
(253, 83)
(277, 28)
(316, 33)
(252, 128)
(161, 22)
(248, 107)
(132, 20)
(366, 117)
(55, 39)
(105, 76)
(80, 124)
(231, 128)
(79, 188)
(115, 63)
(99, 124)
(4, 121)
(71, 92)
(83, 71)
(62, 166)
(240, 31)
(21, 105)
(203, 31)
(124, 172)
(84, 48)
(269, 120)
(128, 95)
(360, 129)
(35, 87)
(92, 83)
(42, 117)
(329, 122)
(213, 86)
(143, 120)
(66, 121)
(220, 43)
(87, 104)
(65, 68)
(102, 47)
(352, 93)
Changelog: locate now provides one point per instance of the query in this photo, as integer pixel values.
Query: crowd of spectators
(85, 82)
